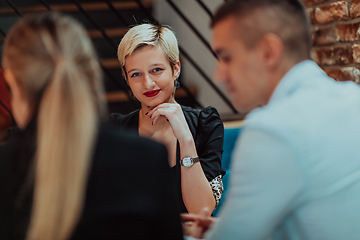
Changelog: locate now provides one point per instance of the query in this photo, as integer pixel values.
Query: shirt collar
(296, 77)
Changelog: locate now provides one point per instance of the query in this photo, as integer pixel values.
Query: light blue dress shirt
(296, 166)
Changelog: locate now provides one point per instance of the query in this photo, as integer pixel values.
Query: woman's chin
(151, 105)
(157, 101)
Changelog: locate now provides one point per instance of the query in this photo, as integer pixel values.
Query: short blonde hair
(148, 34)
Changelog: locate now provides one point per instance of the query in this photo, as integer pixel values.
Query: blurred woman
(149, 57)
(71, 176)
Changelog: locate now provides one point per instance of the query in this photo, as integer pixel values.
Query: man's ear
(177, 69)
(272, 48)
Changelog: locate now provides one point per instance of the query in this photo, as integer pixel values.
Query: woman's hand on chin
(174, 114)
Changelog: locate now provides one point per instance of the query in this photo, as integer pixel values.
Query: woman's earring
(177, 83)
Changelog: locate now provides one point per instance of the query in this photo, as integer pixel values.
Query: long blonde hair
(54, 62)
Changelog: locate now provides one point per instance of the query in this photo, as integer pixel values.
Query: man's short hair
(286, 18)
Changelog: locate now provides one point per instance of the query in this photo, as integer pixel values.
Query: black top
(126, 198)
(208, 133)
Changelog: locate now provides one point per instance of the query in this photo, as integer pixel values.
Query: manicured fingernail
(146, 113)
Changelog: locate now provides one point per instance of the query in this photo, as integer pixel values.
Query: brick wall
(336, 37)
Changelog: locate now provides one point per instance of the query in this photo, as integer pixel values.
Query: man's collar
(297, 76)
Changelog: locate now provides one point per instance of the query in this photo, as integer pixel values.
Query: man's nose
(219, 73)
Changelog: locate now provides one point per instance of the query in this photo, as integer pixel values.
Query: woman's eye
(135, 74)
(155, 70)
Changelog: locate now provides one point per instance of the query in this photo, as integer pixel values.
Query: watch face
(187, 162)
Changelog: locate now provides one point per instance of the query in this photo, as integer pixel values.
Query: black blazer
(129, 193)
(207, 130)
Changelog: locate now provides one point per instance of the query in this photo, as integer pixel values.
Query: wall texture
(194, 47)
(335, 32)
(336, 37)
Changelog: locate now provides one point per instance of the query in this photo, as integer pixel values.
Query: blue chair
(230, 137)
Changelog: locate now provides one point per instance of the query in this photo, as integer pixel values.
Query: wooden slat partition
(69, 7)
(111, 32)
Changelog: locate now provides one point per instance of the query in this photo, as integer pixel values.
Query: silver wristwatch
(188, 161)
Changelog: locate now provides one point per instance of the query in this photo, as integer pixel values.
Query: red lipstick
(152, 93)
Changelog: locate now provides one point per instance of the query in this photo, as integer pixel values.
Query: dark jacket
(208, 133)
(129, 192)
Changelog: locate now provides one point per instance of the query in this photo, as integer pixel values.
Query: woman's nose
(149, 83)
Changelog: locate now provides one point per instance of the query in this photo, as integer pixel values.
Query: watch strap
(195, 160)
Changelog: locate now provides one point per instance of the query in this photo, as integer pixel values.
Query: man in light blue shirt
(296, 166)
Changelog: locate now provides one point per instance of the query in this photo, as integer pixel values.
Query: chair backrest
(230, 136)
(4, 95)
(6, 120)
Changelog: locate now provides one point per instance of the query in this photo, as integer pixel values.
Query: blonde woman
(66, 175)
(149, 57)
